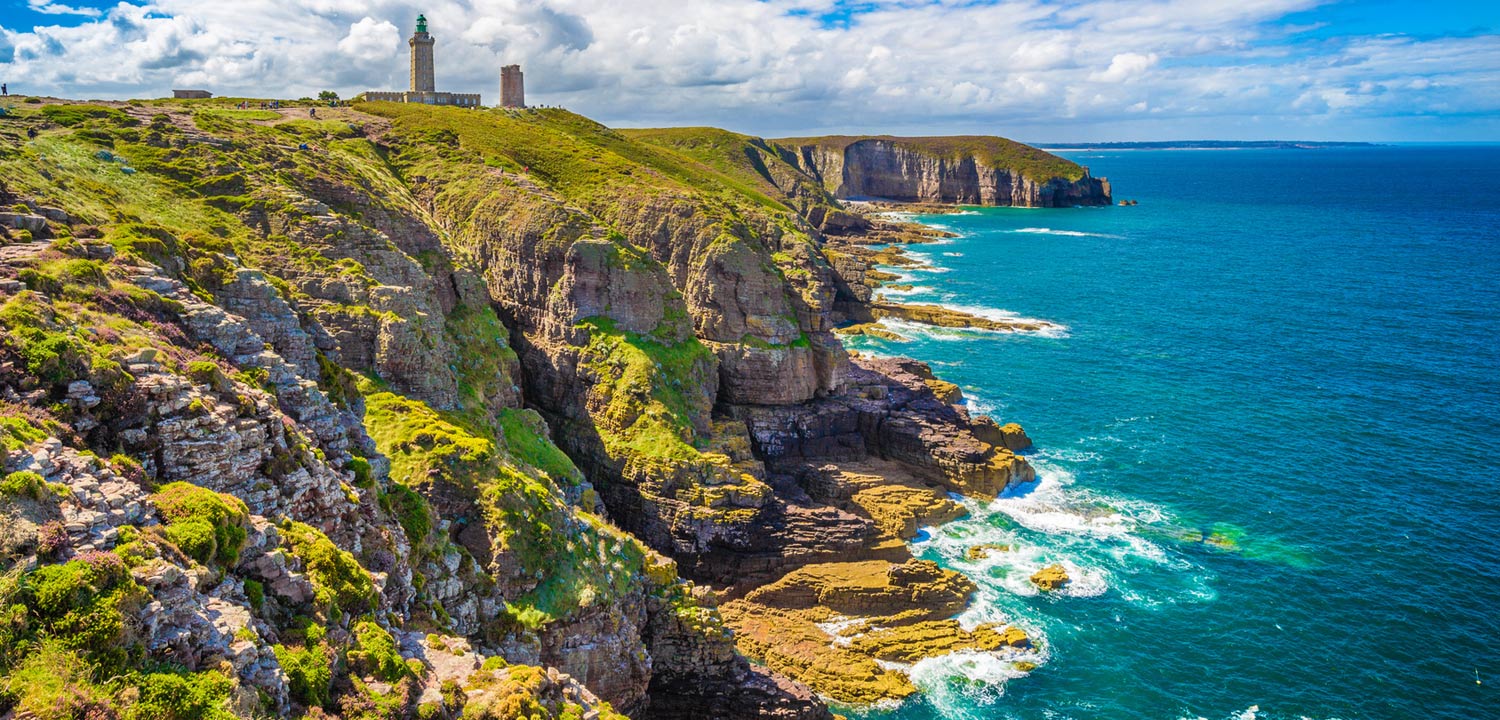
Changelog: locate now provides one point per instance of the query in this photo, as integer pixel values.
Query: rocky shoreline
(466, 413)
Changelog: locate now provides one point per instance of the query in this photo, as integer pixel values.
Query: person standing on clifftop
(4, 90)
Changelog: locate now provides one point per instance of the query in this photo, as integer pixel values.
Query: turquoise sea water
(1292, 354)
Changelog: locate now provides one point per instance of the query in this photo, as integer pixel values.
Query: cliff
(416, 411)
(951, 170)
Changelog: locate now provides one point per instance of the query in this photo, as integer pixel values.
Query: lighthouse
(421, 58)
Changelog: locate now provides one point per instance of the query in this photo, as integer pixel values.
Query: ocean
(1268, 440)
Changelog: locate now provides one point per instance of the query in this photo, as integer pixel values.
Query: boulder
(1051, 578)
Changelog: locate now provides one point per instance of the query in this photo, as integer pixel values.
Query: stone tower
(421, 58)
(512, 87)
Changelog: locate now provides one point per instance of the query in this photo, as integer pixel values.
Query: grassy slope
(192, 203)
(748, 161)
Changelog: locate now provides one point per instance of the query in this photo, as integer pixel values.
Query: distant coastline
(1207, 145)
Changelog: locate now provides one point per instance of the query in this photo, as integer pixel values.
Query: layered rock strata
(498, 414)
(950, 171)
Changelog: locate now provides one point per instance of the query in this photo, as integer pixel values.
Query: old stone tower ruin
(512, 87)
(423, 85)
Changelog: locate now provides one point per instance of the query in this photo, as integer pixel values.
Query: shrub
(128, 468)
(410, 510)
(51, 539)
(206, 525)
(207, 373)
(77, 603)
(308, 671)
(374, 653)
(18, 432)
(55, 683)
(75, 115)
(24, 483)
(363, 476)
(256, 593)
(39, 281)
(181, 696)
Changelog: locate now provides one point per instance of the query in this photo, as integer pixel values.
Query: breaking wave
(1065, 233)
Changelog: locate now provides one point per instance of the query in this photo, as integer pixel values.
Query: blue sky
(1044, 71)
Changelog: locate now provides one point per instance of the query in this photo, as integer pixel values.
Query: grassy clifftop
(996, 152)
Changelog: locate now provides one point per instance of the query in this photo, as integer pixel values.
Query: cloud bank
(1095, 69)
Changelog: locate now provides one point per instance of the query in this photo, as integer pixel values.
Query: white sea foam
(981, 675)
(920, 257)
(1064, 233)
(835, 627)
(998, 314)
(1049, 329)
(977, 405)
(953, 254)
(888, 290)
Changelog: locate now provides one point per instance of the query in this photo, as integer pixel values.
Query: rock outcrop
(460, 412)
(961, 170)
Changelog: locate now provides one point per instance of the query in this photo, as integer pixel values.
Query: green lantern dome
(421, 23)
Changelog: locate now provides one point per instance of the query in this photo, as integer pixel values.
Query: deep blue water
(1295, 353)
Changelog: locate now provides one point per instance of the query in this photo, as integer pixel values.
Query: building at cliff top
(423, 85)
(192, 94)
(512, 87)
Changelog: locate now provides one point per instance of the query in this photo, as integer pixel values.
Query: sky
(1068, 71)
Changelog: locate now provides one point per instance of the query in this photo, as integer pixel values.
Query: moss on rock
(340, 583)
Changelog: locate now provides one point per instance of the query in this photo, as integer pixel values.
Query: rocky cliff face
(447, 414)
(911, 170)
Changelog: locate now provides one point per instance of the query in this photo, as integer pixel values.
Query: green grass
(651, 391)
(526, 441)
(483, 353)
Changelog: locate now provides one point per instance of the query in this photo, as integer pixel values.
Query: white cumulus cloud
(46, 7)
(371, 39)
(1125, 66)
(1032, 69)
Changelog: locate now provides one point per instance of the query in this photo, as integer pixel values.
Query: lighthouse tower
(423, 87)
(421, 58)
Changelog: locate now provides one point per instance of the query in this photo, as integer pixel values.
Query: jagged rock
(980, 552)
(1052, 577)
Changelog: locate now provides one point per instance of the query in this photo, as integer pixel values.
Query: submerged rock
(980, 552)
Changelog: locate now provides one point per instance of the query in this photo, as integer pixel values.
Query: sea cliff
(415, 411)
(950, 170)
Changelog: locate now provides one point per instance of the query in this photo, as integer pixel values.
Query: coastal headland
(411, 411)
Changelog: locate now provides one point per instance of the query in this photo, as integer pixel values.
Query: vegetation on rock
(207, 525)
